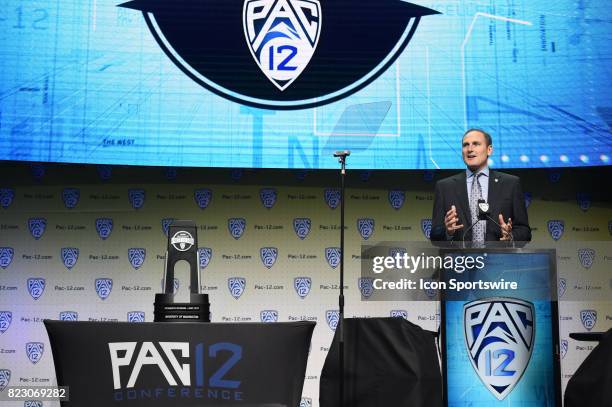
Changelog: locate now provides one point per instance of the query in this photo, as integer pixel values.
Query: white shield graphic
(499, 335)
(282, 36)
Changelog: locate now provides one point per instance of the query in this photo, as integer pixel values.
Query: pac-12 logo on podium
(282, 36)
(499, 335)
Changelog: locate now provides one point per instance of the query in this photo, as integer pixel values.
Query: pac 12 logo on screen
(282, 54)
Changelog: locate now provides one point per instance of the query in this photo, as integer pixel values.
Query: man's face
(475, 150)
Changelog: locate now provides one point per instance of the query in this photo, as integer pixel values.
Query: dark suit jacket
(505, 197)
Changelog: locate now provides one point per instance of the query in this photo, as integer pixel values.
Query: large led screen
(285, 83)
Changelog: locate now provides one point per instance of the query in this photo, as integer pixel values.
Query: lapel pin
(496, 180)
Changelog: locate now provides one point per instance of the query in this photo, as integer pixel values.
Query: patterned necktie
(478, 230)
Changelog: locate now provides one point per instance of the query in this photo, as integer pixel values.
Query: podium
(499, 344)
(180, 364)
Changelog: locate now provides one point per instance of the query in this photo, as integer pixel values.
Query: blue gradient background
(84, 81)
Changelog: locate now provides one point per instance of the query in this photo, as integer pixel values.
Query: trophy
(182, 245)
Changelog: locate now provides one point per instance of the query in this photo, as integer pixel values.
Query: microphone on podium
(483, 214)
(483, 210)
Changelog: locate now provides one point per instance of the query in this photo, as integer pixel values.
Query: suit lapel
(464, 201)
(494, 194)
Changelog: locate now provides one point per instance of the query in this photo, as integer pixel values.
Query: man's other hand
(450, 221)
(506, 228)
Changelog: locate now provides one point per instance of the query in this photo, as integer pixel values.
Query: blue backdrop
(85, 81)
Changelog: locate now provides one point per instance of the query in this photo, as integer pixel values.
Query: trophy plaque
(182, 245)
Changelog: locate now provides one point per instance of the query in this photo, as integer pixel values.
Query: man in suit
(457, 197)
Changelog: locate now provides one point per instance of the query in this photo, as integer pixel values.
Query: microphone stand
(500, 228)
(483, 214)
(467, 230)
(342, 160)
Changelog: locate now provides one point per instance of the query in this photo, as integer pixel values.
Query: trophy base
(197, 310)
